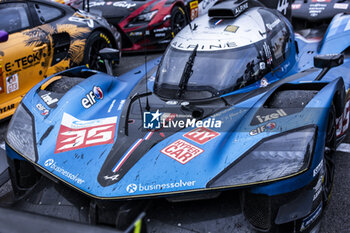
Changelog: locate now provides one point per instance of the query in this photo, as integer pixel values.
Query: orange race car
(39, 38)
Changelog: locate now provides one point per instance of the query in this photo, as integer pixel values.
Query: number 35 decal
(76, 134)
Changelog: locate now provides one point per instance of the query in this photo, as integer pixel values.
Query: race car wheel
(330, 147)
(178, 19)
(96, 41)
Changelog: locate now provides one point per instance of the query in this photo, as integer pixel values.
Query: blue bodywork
(157, 174)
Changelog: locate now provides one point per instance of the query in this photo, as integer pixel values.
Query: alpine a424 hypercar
(245, 125)
(152, 24)
(43, 38)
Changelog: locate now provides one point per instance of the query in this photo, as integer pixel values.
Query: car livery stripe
(127, 154)
(131, 149)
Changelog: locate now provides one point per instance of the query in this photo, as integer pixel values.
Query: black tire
(96, 41)
(178, 19)
(329, 151)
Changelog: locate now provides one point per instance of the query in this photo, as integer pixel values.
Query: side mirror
(109, 54)
(4, 36)
(328, 60)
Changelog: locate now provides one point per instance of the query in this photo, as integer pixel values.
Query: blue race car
(239, 117)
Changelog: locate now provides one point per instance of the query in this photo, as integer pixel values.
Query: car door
(23, 57)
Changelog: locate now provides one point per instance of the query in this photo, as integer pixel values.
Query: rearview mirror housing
(328, 60)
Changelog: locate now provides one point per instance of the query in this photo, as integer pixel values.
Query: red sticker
(182, 151)
(76, 134)
(201, 135)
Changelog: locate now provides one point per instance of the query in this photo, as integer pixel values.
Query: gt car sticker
(7, 108)
(76, 134)
(201, 135)
(194, 9)
(182, 151)
(12, 83)
(122, 4)
(23, 62)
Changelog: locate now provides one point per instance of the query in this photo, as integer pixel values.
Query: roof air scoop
(231, 9)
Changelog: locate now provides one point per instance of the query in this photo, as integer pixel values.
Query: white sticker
(12, 83)
(342, 6)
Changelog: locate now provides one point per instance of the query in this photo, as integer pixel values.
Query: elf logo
(91, 97)
(279, 113)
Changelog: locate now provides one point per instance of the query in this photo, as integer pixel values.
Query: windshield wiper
(186, 74)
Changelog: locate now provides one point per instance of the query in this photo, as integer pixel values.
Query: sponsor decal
(240, 9)
(182, 151)
(123, 4)
(321, 0)
(318, 188)
(48, 99)
(316, 9)
(318, 168)
(2, 89)
(264, 82)
(23, 62)
(275, 115)
(114, 177)
(343, 121)
(160, 35)
(201, 135)
(260, 129)
(283, 6)
(172, 102)
(231, 28)
(7, 108)
(268, 53)
(311, 218)
(194, 9)
(186, 45)
(12, 83)
(163, 29)
(90, 99)
(121, 104)
(50, 163)
(131, 150)
(296, 6)
(111, 106)
(271, 26)
(76, 134)
(132, 188)
(342, 6)
(42, 109)
(135, 33)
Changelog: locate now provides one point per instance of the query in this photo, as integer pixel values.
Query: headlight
(276, 157)
(147, 16)
(20, 133)
(142, 18)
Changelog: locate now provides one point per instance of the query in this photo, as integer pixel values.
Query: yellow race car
(39, 38)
